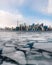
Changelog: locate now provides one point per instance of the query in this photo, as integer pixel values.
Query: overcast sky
(29, 11)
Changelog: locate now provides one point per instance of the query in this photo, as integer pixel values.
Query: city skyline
(28, 11)
(31, 28)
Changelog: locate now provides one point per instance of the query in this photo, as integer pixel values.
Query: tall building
(17, 27)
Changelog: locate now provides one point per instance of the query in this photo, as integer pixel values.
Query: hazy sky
(29, 11)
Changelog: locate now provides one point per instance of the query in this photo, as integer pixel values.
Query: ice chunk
(18, 56)
(43, 45)
(46, 55)
(9, 45)
(8, 50)
(5, 63)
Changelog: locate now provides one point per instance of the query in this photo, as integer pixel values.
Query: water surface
(25, 48)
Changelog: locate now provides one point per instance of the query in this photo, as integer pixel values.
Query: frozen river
(25, 48)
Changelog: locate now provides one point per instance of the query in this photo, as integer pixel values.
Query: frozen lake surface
(25, 48)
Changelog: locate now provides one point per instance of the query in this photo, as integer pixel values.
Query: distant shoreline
(22, 31)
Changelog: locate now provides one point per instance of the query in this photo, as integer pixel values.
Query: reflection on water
(25, 48)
